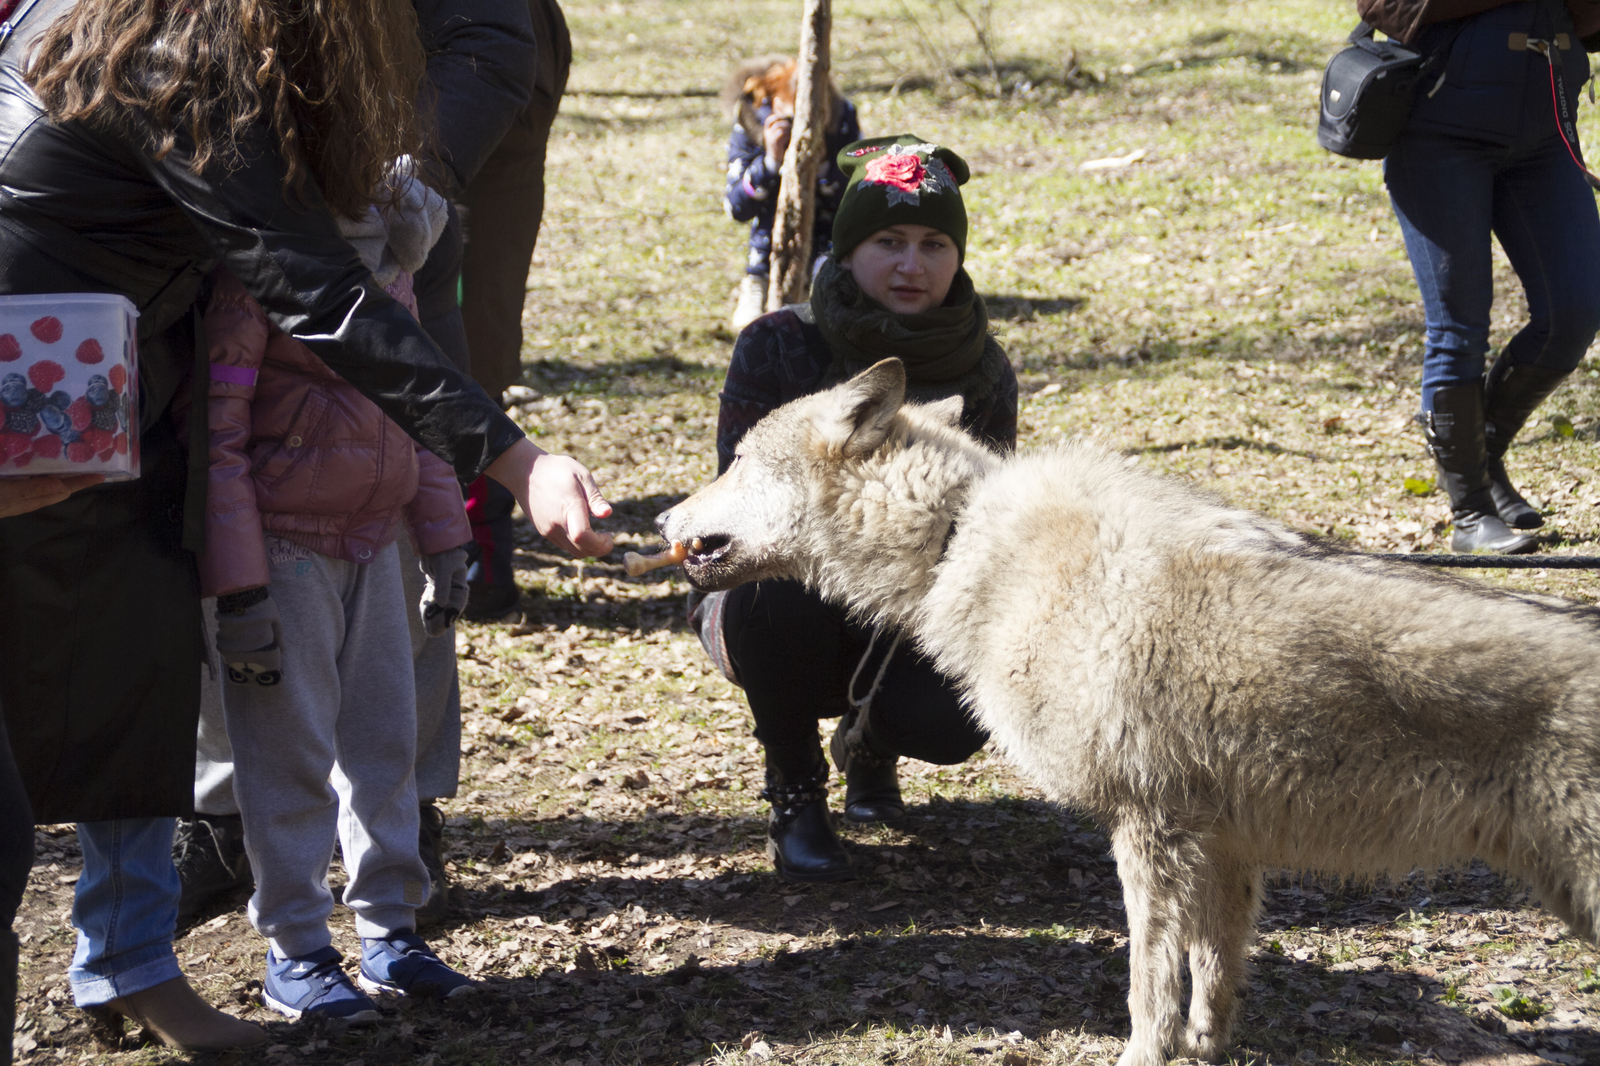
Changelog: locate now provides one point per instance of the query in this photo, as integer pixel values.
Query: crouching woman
(894, 285)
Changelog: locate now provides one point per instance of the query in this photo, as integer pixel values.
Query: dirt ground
(1230, 305)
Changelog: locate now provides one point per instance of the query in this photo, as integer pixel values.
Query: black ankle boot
(800, 839)
(1455, 436)
(1510, 396)
(208, 851)
(871, 786)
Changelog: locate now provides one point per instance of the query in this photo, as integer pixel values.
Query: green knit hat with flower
(899, 180)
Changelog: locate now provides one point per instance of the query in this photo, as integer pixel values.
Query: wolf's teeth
(696, 544)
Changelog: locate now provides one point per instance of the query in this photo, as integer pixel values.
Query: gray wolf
(1224, 695)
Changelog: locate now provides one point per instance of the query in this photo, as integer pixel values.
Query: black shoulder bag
(1367, 93)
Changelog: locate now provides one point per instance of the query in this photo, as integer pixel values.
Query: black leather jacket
(90, 210)
(483, 63)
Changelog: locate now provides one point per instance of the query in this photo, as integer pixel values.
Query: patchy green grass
(1232, 306)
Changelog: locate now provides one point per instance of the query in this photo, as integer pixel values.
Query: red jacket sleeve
(236, 333)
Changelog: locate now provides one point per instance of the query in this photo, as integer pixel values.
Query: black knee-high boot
(1456, 437)
(1510, 395)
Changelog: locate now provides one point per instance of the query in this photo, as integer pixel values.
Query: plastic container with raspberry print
(69, 383)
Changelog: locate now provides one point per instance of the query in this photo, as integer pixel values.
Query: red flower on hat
(9, 348)
(903, 172)
(47, 329)
(45, 373)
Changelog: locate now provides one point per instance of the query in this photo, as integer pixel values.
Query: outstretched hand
(558, 494)
(23, 494)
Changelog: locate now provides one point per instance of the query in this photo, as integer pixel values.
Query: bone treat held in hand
(638, 565)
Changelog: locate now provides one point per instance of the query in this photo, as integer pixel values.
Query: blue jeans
(125, 909)
(1449, 194)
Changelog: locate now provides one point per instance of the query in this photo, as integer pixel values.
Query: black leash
(1496, 562)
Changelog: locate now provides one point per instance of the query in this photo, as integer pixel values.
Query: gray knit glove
(250, 637)
(444, 593)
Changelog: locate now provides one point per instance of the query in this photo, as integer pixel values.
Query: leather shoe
(175, 1014)
(871, 786)
(803, 846)
(1479, 532)
(208, 851)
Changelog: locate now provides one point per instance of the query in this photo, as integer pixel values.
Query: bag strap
(1362, 37)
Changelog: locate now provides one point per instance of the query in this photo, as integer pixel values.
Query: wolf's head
(849, 490)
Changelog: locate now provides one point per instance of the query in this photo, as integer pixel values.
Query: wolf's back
(1137, 644)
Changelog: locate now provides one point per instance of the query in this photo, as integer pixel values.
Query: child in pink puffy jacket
(310, 488)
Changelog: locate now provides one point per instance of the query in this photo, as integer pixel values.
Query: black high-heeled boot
(871, 785)
(1510, 396)
(801, 841)
(1455, 435)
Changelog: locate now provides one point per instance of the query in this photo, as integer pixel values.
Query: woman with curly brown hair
(142, 143)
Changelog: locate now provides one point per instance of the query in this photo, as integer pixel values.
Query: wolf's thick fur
(1225, 695)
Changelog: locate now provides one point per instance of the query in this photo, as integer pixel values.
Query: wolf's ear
(858, 415)
(947, 410)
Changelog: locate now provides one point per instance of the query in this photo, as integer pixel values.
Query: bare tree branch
(797, 190)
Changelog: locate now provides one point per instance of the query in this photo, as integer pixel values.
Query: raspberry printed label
(61, 414)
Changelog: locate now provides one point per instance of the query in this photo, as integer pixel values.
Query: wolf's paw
(1207, 1046)
(1142, 1053)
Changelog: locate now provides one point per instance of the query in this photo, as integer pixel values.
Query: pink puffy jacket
(297, 452)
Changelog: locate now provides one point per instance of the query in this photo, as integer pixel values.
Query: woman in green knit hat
(894, 285)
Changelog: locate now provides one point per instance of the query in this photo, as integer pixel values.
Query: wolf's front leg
(1155, 877)
(1222, 916)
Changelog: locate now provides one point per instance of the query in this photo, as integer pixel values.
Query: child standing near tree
(759, 99)
(310, 487)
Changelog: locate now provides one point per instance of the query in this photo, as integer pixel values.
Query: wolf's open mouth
(704, 550)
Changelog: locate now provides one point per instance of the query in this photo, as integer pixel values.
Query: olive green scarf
(947, 350)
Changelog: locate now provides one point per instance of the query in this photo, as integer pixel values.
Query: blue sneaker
(315, 984)
(404, 965)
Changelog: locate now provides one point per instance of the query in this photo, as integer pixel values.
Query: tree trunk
(797, 191)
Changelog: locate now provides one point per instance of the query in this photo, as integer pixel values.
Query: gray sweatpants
(329, 751)
(438, 709)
